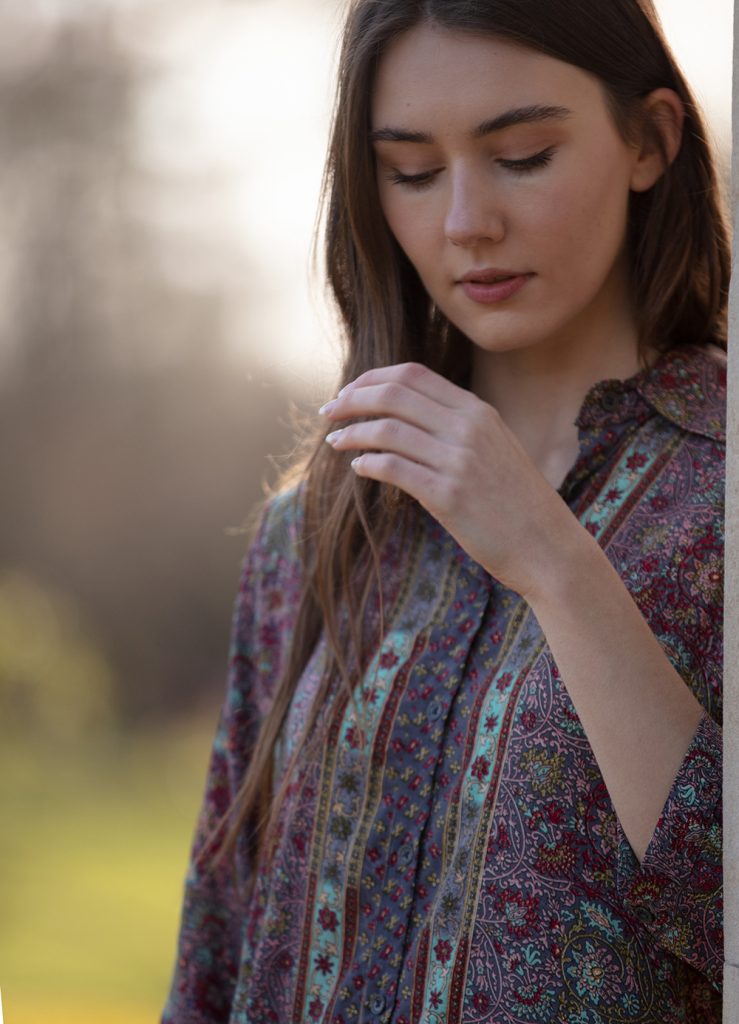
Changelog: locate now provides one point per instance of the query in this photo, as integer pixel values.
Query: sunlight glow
(240, 108)
(702, 39)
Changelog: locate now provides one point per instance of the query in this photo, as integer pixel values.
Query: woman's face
(496, 161)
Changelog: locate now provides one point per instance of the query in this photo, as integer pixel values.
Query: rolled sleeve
(676, 893)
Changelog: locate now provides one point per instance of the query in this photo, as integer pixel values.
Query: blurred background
(159, 174)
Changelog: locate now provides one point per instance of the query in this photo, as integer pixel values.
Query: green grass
(92, 859)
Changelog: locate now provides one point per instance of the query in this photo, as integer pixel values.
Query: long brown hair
(680, 264)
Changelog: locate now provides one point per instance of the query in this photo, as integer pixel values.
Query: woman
(469, 763)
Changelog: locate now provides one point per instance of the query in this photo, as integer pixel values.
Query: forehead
(432, 72)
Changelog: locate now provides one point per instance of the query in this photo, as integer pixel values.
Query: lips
(492, 285)
(490, 275)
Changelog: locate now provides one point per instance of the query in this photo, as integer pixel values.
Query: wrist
(570, 561)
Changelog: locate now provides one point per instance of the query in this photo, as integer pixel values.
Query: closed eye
(415, 181)
(530, 163)
(418, 182)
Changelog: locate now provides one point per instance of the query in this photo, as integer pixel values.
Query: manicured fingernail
(345, 388)
(334, 436)
(327, 407)
(356, 462)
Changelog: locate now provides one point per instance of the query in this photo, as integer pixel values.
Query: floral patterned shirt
(460, 859)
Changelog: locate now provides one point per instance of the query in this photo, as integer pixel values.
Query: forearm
(638, 714)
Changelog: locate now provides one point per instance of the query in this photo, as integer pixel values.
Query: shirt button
(610, 401)
(377, 1004)
(406, 855)
(435, 710)
(644, 914)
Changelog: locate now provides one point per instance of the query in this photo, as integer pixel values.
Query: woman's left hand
(453, 453)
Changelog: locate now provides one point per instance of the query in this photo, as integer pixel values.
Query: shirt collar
(686, 385)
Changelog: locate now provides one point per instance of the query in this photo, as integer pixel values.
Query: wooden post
(731, 605)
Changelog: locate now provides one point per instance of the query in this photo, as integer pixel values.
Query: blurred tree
(128, 442)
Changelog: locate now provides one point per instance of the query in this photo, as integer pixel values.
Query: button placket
(395, 844)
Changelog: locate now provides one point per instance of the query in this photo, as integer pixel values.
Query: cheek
(414, 239)
(583, 224)
(412, 224)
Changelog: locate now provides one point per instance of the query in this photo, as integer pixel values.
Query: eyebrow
(520, 115)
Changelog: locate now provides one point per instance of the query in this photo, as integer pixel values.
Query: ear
(666, 111)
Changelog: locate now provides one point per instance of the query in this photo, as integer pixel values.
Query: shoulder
(687, 386)
(266, 607)
(280, 526)
(271, 577)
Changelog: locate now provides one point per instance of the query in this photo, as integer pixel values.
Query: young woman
(469, 762)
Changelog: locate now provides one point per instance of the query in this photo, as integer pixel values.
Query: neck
(539, 391)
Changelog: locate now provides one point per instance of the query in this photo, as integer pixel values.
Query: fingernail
(345, 388)
(327, 407)
(356, 462)
(334, 436)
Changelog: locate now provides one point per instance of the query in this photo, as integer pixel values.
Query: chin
(499, 331)
(502, 341)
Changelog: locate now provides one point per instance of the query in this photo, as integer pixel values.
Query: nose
(473, 213)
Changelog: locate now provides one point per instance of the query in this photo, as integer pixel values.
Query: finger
(421, 482)
(416, 377)
(394, 400)
(391, 435)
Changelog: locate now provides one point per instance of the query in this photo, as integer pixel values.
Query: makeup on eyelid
(523, 166)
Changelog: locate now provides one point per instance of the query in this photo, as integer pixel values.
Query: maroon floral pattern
(462, 861)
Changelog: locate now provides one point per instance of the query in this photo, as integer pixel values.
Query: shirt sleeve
(676, 893)
(213, 910)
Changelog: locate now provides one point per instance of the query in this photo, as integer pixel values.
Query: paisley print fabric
(451, 852)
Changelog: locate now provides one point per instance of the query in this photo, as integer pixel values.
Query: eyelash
(420, 181)
(530, 163)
